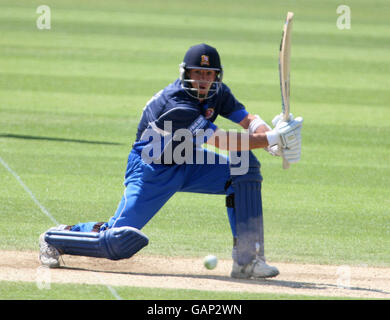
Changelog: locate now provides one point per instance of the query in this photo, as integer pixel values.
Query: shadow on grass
(28, 137)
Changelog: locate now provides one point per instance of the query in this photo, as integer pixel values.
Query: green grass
(32, 291)
(71, 98)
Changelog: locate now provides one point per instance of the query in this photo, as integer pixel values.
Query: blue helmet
(201, 56)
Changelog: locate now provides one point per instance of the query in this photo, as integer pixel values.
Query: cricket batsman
(168, 157)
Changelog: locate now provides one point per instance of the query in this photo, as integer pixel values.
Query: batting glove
(274, 150)
(286, 134)
(292, 155)
(278, 118)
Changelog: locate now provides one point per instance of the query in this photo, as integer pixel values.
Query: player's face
(203, 79)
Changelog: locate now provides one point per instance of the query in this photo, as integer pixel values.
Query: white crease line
(113, 292)
(46, 212)
(43, 209)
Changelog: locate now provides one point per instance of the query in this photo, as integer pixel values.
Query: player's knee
(123, 242)
(252, 172)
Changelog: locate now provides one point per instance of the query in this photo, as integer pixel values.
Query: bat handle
(286, 115)
(286, 165)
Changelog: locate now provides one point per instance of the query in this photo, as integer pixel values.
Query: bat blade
(284, 64)
(284, 69)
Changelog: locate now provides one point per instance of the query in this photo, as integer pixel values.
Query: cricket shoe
(49, 255)
(258, 268)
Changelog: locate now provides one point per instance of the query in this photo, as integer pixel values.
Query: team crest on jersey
(204, 60)
(209, 113)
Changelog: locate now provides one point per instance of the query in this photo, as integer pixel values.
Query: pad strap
(230, 201)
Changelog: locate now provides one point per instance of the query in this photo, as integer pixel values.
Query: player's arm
(233, 141)
(286, 135)
(254, 124)
(237, 141)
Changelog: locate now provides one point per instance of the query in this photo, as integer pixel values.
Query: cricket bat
(284, 70)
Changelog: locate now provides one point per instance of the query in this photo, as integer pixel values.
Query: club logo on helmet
(204, 60)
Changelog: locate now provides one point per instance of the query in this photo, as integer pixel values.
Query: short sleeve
(232, 109)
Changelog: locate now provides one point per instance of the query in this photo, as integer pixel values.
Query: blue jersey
(172, 109)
